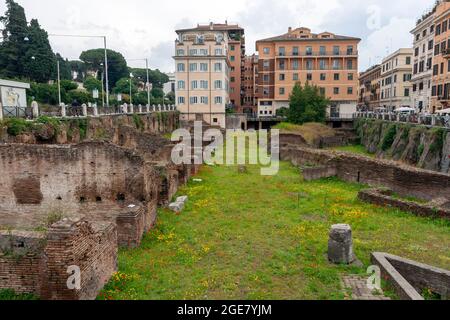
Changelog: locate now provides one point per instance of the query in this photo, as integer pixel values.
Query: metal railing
(421, 119)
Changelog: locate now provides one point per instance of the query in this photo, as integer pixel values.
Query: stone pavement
(358, 287)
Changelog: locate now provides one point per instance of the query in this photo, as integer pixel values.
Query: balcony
(317, 54)
(446, 53)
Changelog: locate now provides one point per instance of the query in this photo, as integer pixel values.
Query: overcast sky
(145, 28)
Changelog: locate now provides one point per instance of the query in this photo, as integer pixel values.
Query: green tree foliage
(79, 67)
(68, 85)
(65, 69)
(171, 97)
(90, 84)
(39, 62)
(307, 105)
(14, 46)
(117, 66)
(123, 86)
(156, 77)
(157, 93)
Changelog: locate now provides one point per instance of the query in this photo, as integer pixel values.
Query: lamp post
(148, 78)
(106, 57)
(59, 81)
(131, 94)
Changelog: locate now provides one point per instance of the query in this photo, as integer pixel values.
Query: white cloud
(145, 29)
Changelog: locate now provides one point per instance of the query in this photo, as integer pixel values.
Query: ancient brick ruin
(73, 199)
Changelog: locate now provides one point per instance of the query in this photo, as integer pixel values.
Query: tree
(14, 45)
(123, 86)
(156, 77)
(171, 97)
(307, 104)
(157, 93)
(117, 66)
(64, 68)
(40, 61)
(91, 84)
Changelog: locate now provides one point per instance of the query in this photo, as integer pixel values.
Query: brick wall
(402, 179)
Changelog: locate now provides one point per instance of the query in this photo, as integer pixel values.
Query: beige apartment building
(396, 86)
(369, 88)
(422, 63)
(203, 73)
(440, 91)
(327, 60)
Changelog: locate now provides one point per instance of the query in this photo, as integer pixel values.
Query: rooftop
(213, 27)
(305, 34)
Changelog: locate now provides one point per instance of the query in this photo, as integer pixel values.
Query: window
(266, 50)
(192, 67)
(408, 60)
(309, 51)
(180, 67)
(336, 50)
(218, 100)
(204, 100)
(232, 79)
(350, 90)
(203, 67)
(218, 84)
(322, 91)
(336, 77)
(323, 76)
(193, 100)
(322, 64)
(219, 52)
(266, 78)
(336, 90)
(322, 51)
(203, 52)
(282, 76)
(295, 76)
(406, 92)
(309, 65)
(336, 65)
(282, 51)
(180, 52)
(193, 52)
(232, 58)
(349, 64)
(203, 84)
(232, 47)
(309, 76)
(194, 84)
(181, 100)
(295, 65)
(435, 70)
(181, 85)
(266, 63)
(282, 91)
(295, 51)
(349, 50)
(218, 67)
(350, 77)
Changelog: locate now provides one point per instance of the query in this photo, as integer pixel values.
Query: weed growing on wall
(389, 137)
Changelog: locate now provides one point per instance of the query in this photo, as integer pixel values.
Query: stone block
(340, 244)
(176, 206)
(182, 199)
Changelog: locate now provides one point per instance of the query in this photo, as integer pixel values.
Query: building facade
(396, 74)
(440, 90)
(422, 63)
(203, 73)
(236, 56)
(327, 60)
(171, 85)
(249, 105)
(369, 89)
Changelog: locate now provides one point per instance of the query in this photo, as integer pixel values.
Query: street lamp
(106, 57)
(148, 78)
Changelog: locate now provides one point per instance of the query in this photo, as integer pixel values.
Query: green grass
(357, 149)
(7, 294)
(247, 236)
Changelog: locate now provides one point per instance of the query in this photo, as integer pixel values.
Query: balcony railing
(316, 54)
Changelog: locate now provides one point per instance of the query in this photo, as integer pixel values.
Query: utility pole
(106, 72)
(59, 81)
(148, 82)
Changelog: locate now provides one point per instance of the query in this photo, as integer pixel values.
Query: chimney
(290, 29)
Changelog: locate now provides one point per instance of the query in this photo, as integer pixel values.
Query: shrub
(438, 135)
(17, 126)
(389, 137)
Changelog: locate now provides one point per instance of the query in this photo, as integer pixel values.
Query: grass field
(358, 149)
(246, 236)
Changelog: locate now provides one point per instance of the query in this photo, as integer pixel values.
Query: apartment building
(369, 88)
(396, 74)
(422, 63)
(203, 73)
(440, 90)
(327, 60)
(249, 105)
(236, 56)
